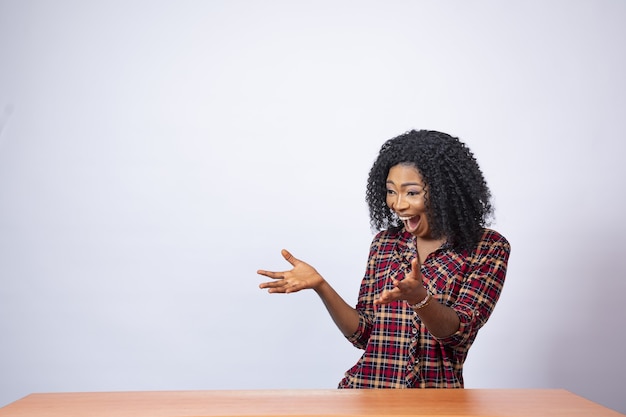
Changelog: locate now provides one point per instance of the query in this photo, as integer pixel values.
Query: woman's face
(406, 194)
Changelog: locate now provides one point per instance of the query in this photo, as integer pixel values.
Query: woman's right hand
(303, 276)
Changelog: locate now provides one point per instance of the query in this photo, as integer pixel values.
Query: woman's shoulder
(493, 240)
(490, 235)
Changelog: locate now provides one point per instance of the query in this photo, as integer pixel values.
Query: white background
(155, 154)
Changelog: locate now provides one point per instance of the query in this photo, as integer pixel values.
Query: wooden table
(416, 402)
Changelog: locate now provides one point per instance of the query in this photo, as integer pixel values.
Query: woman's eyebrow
(406, 184)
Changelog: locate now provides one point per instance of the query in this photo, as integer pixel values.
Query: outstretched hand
(411, 288)
(302, 276)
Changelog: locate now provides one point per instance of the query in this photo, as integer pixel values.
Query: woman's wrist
(422, 303)
(321, 286)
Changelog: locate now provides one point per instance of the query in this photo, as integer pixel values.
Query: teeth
(404, 218)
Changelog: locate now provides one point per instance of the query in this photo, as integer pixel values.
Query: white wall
(154, 155)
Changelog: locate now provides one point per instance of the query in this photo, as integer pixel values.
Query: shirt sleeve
(365, 302)
(480, 290)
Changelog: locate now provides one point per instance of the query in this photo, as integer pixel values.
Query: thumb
(289, 257)
(416, 269)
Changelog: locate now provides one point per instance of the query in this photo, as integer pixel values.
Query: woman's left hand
(411, 288)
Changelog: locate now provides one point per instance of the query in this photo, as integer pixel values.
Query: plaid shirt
(399, 351)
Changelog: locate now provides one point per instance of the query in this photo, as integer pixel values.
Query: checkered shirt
(399, 351)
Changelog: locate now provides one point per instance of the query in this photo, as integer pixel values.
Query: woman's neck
(426, 246)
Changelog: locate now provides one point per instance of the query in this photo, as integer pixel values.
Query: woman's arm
(475, 300)
(345, 317)
(440, 320)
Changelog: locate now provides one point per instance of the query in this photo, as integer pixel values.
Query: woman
(434, 272)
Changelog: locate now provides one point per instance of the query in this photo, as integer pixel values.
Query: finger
(289, 257)
(282, 287)
(270, 274)
(415, 269)
(414, 272)
(274, 290)
(274, 286)
(402, 285)
(383, 299)
(270, 284)
(386, 297)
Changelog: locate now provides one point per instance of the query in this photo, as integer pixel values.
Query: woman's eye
(390, 192)
(413, 193)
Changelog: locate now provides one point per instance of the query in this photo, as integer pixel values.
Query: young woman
(434, 272)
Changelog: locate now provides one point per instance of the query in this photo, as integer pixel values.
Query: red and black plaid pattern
(399, 352)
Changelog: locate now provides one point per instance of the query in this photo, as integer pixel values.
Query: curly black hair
(457, 198)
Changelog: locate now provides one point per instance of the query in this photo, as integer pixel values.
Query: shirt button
(414, 330)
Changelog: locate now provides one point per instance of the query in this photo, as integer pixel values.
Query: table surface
(416, 402)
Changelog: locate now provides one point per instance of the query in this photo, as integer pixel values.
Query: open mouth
(410, 222)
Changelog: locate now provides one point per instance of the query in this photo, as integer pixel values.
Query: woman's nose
(401, 203)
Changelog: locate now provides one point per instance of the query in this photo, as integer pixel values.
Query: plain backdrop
(155, 154)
